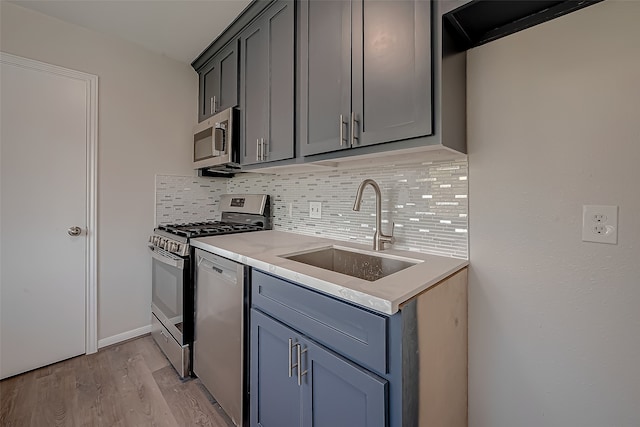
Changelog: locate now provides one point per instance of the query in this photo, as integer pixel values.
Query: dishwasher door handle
(225, 274)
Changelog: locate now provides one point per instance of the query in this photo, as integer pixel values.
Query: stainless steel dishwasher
(219, 340)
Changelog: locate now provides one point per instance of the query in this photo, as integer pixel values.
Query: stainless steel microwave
(215, 144)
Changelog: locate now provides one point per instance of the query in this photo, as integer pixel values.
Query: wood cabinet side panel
(442, 323)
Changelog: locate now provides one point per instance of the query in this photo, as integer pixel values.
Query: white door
(43, 159)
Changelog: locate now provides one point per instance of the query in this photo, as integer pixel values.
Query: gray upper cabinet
(325, 75)
(267, 86)
(391, 92)
(219, 82)
(365, 73)
(209, 82)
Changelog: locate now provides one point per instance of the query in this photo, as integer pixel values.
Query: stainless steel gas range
(173, 292)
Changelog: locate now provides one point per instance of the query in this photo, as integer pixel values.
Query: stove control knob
(150, 239)
(161, 242)
(171, 246)
(156, 240)
(177, 249)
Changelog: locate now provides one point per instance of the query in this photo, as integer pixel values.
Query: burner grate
(203, 229)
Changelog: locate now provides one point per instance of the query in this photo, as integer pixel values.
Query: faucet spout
(379, 238)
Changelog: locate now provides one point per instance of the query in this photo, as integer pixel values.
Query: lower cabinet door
(276, 398)
(297, 382)
(337, 392)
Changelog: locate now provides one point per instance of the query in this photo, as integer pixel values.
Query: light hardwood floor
(129, 384)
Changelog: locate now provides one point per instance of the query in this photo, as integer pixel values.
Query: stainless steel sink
(361, 264)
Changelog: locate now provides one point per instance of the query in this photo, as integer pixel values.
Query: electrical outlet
(600, 224)
(599, 217)
(315, 210)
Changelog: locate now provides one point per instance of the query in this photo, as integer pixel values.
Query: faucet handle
(387, 238)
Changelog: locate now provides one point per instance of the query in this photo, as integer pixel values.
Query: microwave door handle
(219, 140)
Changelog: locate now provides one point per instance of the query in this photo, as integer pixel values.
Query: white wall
(147, 109)
(554, 323)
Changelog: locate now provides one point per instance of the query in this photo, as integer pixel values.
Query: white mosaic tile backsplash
(187, 199)
(427, 202)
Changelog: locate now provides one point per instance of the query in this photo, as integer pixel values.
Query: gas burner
(203, 229)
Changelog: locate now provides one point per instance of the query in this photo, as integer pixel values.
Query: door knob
(74, 231)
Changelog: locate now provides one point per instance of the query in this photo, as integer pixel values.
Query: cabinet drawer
(358, 334)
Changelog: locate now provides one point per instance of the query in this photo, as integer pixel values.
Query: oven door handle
(176, 263)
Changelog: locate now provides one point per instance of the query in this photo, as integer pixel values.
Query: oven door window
(167, 296)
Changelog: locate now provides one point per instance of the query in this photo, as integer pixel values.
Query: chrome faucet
(379, 238)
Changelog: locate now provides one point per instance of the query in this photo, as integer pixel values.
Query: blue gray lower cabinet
(297, 382)
(276, 398)
(357, 367)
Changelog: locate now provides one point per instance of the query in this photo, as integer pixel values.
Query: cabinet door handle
(257, 149)
(215, 107)
(354, 120)
(265, 150)
(299, 364)
(291, 367)
(211, 106)
(343, 122)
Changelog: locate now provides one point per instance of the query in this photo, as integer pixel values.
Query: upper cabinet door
(253, 92)
(219, 82)
(325, 75)
(209, 84)
(280, 25)
(267, 86)
(392, 94)
(228, 66)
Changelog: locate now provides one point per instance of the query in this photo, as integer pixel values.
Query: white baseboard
(114, 339)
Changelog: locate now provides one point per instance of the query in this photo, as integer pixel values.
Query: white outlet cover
(315, 210)
(600, 224)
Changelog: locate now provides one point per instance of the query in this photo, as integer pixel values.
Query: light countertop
(263, 250)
